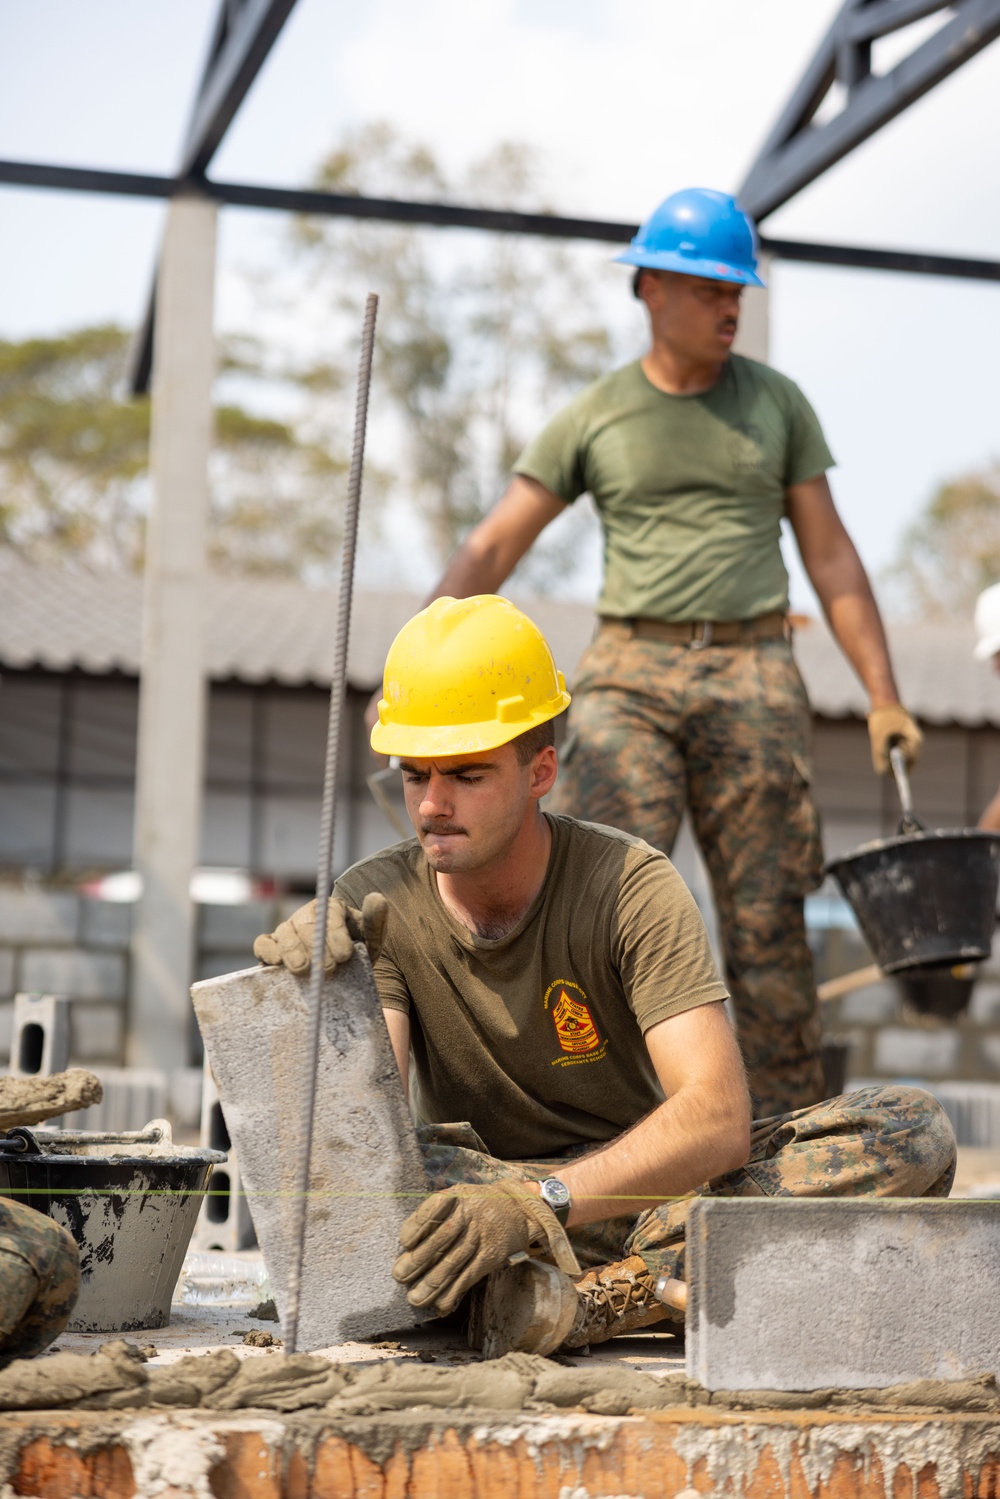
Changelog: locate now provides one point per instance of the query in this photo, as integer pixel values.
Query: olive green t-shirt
(537, 1038)
(690, 489)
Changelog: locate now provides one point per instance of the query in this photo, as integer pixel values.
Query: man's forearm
(849, 605)
(492, 550)
(685, 1142)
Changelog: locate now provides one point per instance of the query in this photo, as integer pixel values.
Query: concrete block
(366, 1169)
(984, 1007)
(37, 916)
(974, 1111)
(213, 965)
(804, 1293)
(81, 975)
(184, 1091)
(6, 972)
(105, 923)
(224, 1223)
(39, 1043)
(6, 1027)
(132, 1097)
(96, 1032)
(233, 928)
(902, 1052)
(871, 1006)
(989, 1053)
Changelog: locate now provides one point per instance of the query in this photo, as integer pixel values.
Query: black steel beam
(912, 262)
(458, 216)
(245, 31)
(797, 151)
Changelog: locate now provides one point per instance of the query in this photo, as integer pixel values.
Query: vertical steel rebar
(328, 817)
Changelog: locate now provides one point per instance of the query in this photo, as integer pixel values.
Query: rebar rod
(328, 819)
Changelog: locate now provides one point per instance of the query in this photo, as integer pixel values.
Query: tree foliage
(952, 552)
(479, 336)
(74, 452)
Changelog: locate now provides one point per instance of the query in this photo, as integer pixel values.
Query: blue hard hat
(699, 232)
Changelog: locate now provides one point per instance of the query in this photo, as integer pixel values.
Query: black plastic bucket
(924, 900)
(130, 1202)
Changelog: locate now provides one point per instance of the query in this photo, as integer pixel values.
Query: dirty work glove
(888, 726)
(458, 1236)
(292, 942)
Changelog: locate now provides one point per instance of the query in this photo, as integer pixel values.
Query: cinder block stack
(224, 1222)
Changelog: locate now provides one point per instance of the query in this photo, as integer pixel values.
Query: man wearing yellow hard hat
(555, 1010)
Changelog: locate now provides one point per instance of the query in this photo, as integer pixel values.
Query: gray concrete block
(79, 974)
(877, 1003)
(211, 965)
(801, 1294)
(97, 1032)
(132, 1097)
(37, 915)
(6, 1028)
(984, 1007)
(233, 928)
(902, 1052)
(6, 972)
(105, 923)
(366, 1170)
(39, 1043)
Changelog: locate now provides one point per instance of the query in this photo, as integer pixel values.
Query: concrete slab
(366, 1173)
(802, 1294)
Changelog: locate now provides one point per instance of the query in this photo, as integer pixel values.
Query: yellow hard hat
(466, 675)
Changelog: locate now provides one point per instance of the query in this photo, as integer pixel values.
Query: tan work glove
(458, 1236)
(292, 942)
(888, 726)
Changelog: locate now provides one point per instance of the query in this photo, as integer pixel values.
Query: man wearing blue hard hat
(689, 694)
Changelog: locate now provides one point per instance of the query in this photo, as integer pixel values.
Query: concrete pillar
(172, 692)
(752, 338)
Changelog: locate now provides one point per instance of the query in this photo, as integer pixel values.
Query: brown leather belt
(699, 633)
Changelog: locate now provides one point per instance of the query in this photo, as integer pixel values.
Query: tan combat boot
(616, 1299)
(531, 1307)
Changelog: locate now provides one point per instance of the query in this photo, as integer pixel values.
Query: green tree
(74, 459)
(479, 336)
(952, 552)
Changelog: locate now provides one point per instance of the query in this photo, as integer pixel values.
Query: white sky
(627, 99)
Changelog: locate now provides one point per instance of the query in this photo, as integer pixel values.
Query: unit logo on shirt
(575, 1029)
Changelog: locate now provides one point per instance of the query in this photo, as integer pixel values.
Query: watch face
(555, 1192)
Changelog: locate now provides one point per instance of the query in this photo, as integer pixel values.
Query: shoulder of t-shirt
(595, 398)
(599, 833)
(782, 387)
(388, 871)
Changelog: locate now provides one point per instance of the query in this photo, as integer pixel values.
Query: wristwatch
(555, 1194)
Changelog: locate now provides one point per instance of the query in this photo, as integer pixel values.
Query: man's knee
(39, 1286)
(922, 1140)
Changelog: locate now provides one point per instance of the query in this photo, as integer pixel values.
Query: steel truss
(799, 150)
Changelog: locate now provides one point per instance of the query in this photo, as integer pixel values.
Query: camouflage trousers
(39, 1280)
(877, 1142)
(724, 731)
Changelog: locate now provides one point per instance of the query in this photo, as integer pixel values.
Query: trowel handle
(909, 823)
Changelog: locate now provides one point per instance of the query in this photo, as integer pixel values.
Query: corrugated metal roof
(61, 618)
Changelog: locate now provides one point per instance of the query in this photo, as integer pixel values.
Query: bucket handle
(19, 1140)
(909, 822)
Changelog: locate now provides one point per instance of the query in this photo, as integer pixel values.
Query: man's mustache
(437, 827)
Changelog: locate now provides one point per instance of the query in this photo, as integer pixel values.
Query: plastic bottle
(218, 1279)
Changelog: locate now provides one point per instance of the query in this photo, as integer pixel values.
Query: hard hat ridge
(466, 675)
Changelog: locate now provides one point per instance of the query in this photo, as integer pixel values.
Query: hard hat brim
(687, 265)
(429, 742)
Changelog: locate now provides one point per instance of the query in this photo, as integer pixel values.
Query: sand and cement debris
(118, 1378)
(29, 1100)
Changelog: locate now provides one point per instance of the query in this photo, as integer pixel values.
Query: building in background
(69, 658)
